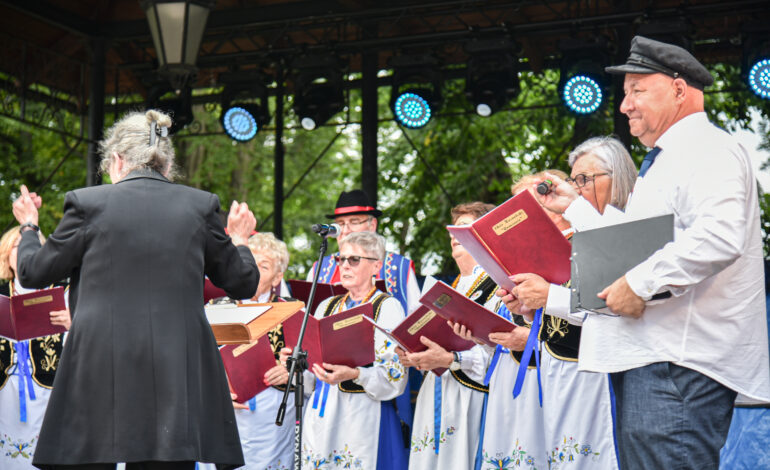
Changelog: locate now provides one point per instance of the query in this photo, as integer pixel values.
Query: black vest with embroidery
(349, 386)
(481, 295)
(44, 353)
(559, 337)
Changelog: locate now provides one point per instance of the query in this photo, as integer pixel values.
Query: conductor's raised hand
(25, 207)
(560, 197)
(240, 223)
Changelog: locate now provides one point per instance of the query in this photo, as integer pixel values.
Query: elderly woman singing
(140, 378)
(356, 425)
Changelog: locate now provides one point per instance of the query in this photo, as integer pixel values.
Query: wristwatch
(30, 226)
(457, 362)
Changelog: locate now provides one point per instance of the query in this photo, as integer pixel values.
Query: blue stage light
(582, 94)
(759, 78)
(412, 110)
(240, 123)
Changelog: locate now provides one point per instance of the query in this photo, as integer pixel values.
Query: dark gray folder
(601, 256)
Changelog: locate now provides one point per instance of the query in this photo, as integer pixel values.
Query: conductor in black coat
(140, 377)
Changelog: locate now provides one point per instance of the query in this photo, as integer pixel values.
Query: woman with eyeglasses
(448, 414)
(352, 422)
(577, 405)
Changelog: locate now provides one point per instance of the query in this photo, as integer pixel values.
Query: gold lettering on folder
(509, 222)
(442, 300)
(243, 348)
(347, 322)
(417, 326)
(44, 299)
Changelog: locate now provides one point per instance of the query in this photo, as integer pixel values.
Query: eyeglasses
(582, 179)
(352, 260)
(353, 223)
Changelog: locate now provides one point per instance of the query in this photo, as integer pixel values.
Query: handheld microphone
(545, 187)
(327, 231)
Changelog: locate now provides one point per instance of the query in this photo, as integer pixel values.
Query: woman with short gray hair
(354, 423)
(598, 157)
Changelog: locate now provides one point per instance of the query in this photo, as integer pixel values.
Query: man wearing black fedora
(678, 363)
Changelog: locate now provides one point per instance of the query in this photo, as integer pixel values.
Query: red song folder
(342, 339)
(27, 316)
(300, 290)
(210, 291)
(425, 322)
(516, 237)
(246, 365)
(455, 307)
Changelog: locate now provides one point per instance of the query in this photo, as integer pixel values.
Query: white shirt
(715, 322)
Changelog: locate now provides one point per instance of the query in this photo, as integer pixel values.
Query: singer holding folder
(352, 420)
(27, 369)
(140, 379)
(706, 342)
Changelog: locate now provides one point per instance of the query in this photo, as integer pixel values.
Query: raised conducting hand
(26, 205)
(433, 357)
(560, 197)
(514, 340)
(531, 290)
(61, 318)
(334, 374)
(622, 300)
(240, 223)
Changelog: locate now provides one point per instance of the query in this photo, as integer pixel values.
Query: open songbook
(244, 323)
(516, 237)
(27, 316)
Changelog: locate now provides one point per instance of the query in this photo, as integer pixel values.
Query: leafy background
(457, 157)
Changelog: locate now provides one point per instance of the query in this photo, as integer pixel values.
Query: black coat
(140, 378)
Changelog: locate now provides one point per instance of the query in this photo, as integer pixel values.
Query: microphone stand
(297, 364)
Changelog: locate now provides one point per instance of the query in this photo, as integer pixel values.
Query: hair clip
(161, 131)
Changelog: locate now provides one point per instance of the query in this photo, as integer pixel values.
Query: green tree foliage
(458, 157)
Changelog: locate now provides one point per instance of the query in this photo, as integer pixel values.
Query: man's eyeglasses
(353, 223)
(352, 260)
(582, 179)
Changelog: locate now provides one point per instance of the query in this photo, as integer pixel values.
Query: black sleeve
(229, 267)
(40, 266)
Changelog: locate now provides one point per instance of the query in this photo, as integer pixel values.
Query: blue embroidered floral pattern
(517, 459)
(17, 449)
(427, 440)
(336, 459)
(569, 451)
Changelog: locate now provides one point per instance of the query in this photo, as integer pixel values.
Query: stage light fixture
(582, 81)
(755, 62)
(492, 78)
(318, 90)
(416, 89)
(244, 104)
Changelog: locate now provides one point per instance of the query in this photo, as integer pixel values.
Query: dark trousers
(129, 466)
(670, 417)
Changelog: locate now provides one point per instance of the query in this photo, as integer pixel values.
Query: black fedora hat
(353, 202)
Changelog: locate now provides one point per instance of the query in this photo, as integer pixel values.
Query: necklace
(365, 300)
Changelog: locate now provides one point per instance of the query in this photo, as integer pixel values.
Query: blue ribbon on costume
(499, 350)
(321, 388)
(253, 404)
(436, 412)
(529, 349)
(25, 378)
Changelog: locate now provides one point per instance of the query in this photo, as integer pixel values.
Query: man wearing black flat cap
(678, 363)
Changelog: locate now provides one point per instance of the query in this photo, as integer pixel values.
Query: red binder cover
(516, 237)
(455, 307)
(27, 316)
(425, 322)
(246, 365)
(210, 291)
(300, 290)
(343, 338)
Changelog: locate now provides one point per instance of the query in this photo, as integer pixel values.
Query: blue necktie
(648, 161)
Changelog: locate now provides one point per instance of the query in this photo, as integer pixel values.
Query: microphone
(327, 231)
(545, 187)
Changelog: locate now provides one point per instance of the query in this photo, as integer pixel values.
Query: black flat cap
(650, 56)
